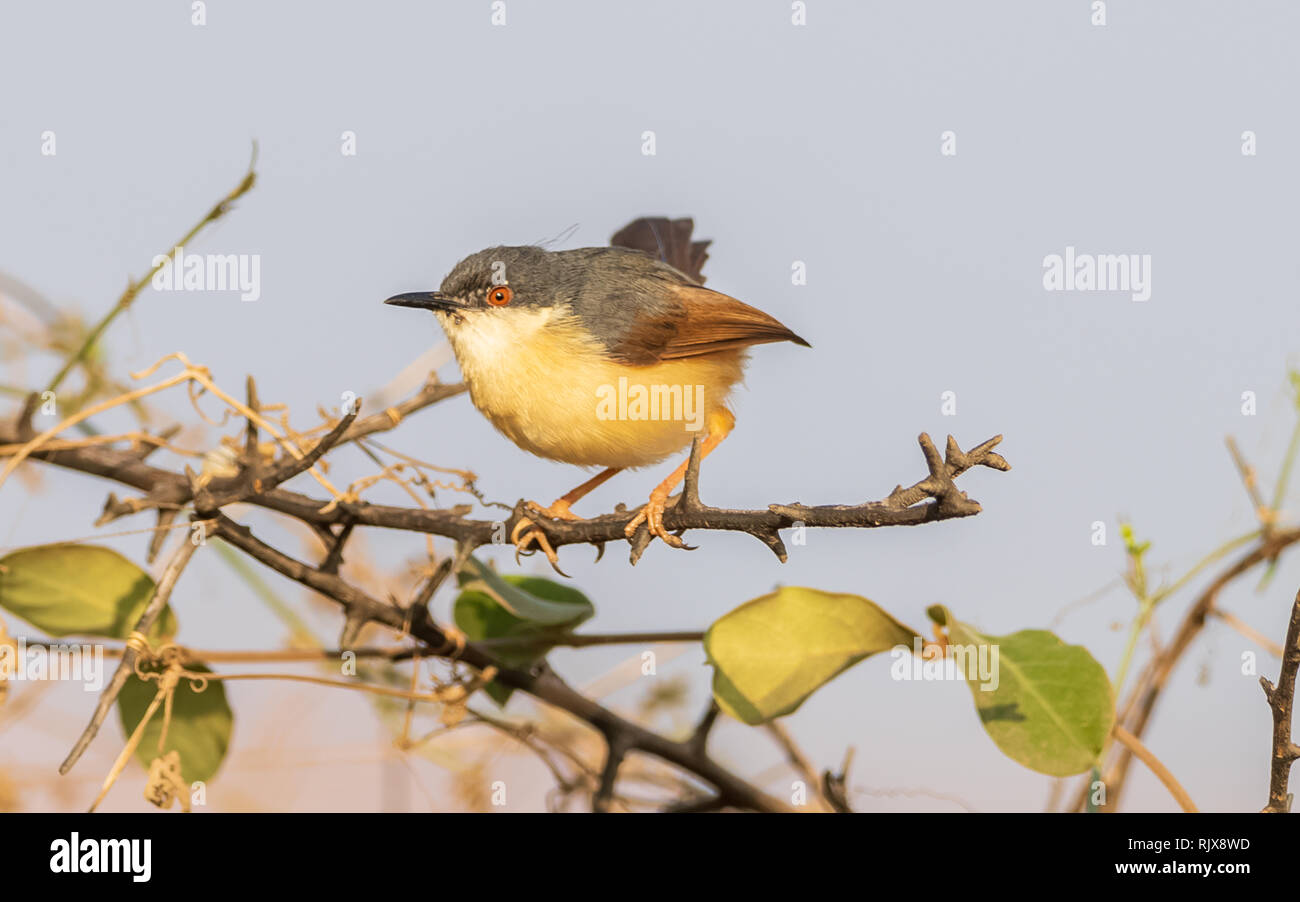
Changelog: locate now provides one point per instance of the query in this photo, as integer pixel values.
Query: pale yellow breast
(549, 388)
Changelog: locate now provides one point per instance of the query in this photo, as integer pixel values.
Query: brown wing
(704, 322)
(668, 240)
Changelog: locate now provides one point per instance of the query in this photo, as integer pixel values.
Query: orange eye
(500, 296)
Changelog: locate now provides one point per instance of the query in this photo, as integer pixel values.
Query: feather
(703, 322)
(668, 240)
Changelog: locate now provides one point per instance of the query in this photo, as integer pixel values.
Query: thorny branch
(903, 507)
(259, 483)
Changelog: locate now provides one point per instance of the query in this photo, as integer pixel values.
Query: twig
(615, 751)
(166, 489)
(1266, 515)
(1248, 631)
(133, 289)
(796, 758)
(162, 592)
(586, 640)
(835, 786)
(1289, 457)
(334, 559)
(1281, 699)
(700, 735)
(189, 655)
(1134, 745)
(700, 805)
(431, 393)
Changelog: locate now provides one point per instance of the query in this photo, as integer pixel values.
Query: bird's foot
(652, 515)
(528, 532)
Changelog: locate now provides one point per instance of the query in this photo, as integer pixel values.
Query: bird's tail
(668, 240)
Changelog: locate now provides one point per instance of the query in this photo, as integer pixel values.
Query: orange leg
(526, 532)
(652, 515)
(560, 508)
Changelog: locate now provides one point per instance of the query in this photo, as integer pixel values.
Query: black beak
(426, 300)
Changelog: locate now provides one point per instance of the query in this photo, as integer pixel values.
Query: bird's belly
(557, 398)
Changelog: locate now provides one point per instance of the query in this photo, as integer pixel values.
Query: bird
(611, 357)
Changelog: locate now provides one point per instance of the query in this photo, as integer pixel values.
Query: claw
(652, 515)
(528, 532)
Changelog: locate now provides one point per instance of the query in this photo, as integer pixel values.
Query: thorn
(638, 543)
(772, 539)
(689, 500)
(953, 453)
(937, 467)
(24, 422)
(112, 506)
(250, 433)
(142, 450)
(334, 557)
(996, 462)
(351, 630)
(166, 518)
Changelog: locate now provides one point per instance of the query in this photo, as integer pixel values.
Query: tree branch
(903, 507)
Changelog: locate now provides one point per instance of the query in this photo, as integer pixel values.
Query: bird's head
(492, 283)
(503, 297)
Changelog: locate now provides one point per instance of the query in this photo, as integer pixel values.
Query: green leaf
(529, 598)
(79, 590)
(771, 653)
(199, 729)
(523, 599)
(1049, 706)
(481, 612)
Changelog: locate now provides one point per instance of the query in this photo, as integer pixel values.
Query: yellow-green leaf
(771, 653)
(199, 730)
(82, 590)
(1047, 705)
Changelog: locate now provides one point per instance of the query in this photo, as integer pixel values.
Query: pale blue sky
(816, 143)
